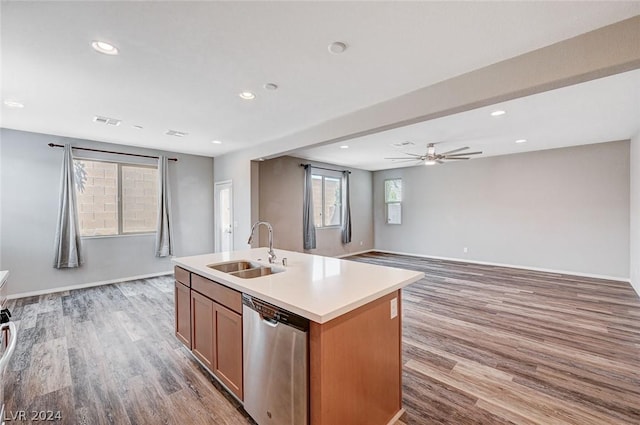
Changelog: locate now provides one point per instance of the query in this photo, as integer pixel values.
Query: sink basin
(233, 266)
(244, 269)
(255, 272)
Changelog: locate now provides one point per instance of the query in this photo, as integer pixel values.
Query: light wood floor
(482, 345)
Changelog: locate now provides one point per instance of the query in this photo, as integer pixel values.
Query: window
(327, 200)
(393, 200)
(115, 198)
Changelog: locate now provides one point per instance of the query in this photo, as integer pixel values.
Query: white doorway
(223, 192)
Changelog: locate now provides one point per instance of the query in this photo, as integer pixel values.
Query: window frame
(119, 197)
(388, 204)
(324, 176)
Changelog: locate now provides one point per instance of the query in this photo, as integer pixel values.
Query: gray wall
(281, 192)
(561, 209)
(634, 247)
(30, 176)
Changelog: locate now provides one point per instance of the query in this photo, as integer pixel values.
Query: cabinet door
(202, 330)
(183, 314)
(228, 348)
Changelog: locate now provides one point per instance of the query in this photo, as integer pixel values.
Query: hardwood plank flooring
(481, 345)
(495, 345)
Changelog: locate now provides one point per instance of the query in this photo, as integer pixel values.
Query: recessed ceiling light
(106, 120)
(429, 162)
(14, 104)
(521, 141)
(337, 47)
(271, 86)
(498, 112)
(260, 159)
(247, 95)
(104, 47)
(344, 147)
(216, 142)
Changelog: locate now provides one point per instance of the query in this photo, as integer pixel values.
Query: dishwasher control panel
(275, 314)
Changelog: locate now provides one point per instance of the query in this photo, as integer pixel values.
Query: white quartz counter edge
(245, 286)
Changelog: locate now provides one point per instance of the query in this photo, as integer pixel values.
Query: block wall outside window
(99, 187)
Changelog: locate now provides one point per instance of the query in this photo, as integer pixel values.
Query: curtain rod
(322, 168)
(53, 145)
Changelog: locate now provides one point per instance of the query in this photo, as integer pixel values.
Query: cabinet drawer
(219, 293)
(182, 276)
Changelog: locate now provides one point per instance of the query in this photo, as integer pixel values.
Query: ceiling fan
(431, 157)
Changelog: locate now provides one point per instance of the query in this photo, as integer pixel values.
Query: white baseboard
(513, 266)
(85, 285)
(355, 253)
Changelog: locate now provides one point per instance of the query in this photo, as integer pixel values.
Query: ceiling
(182, 64)
(603, 110)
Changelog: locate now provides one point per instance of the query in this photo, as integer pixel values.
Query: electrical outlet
(361, 243)
(465, 249)
(394, 308)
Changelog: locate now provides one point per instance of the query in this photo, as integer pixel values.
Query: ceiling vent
(106, 121)
(402, 144)
(175, 133)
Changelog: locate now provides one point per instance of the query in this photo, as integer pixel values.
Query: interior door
(224, 216)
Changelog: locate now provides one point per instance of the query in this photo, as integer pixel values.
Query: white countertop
(318, 288)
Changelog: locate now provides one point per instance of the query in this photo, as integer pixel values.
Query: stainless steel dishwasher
(275, 358)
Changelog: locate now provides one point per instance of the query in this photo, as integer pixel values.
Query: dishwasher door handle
(269, 322)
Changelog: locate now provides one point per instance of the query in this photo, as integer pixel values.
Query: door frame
(217, 187)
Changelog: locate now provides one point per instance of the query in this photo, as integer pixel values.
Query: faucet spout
(272, 254)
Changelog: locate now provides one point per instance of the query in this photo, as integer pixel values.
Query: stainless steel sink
(244, 269)
(233, 266)
(256, 272)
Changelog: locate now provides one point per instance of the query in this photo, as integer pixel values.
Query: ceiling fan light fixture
(429, 162)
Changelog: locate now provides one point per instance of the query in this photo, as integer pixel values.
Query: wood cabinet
(202, 328)
(209, 322)
(183, 313)
(227, 360)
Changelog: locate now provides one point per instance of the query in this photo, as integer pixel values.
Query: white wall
(30, 176)
(561, 209)
(634, 247)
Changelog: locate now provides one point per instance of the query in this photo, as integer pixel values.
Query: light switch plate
(394, 308)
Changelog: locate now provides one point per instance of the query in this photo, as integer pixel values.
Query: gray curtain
(164, 232)
(68, 244)
(309, 228)
(346, 219)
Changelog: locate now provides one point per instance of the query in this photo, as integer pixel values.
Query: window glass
(115, 198)
(393, 190)
(327, 200)
(332, 201)
(97, 197)
(139, 199)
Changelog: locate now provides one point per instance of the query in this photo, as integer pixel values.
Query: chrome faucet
(272, 255)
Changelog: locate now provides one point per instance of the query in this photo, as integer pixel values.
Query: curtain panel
(164, 232)
(68, 243)
(346, 211)
(308, 226)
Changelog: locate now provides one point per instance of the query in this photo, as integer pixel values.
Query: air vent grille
(402, 144)
(176, 133)
(106, 120)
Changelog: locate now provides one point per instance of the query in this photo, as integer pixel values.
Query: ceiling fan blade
(409, 153)
(465, 153)
(404, 157)
(455, 157)
(455, 150)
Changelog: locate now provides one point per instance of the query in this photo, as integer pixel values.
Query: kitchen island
(355, 367)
